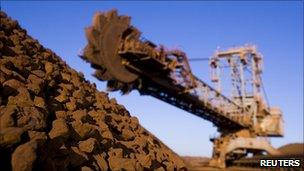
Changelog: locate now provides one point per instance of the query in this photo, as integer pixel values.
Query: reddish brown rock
(86, 168)
(117, 163)
(144, 160)
(127, 134)
(51, 118)
(24, 157)
(63, 96)
(22, 99)
(10, 136)
(11, 86)
(34, 83)
(35, 135)
(59, 129)
(7, 115)
(101, 161)
(39, 102)
(71, 105)
(32, 118)
(61, 114)
(88, 145)
(77, 158)
(48, 68)
(39, 73)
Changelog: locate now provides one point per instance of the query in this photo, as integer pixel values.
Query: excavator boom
(127, 62)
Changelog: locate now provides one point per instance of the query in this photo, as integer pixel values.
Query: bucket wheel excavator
(126, 61)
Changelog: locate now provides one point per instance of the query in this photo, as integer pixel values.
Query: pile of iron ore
(51, 118)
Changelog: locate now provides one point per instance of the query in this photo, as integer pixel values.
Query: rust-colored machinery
(128, 62)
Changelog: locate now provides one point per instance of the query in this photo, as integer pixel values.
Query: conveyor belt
(127, 62)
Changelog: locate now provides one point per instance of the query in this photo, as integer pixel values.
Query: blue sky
(198, 28)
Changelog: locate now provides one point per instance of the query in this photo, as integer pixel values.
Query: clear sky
(198, 28)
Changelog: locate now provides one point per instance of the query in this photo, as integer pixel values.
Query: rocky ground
(51, 118)
(292, 148)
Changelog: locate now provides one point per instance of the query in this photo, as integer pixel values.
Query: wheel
(104, 39)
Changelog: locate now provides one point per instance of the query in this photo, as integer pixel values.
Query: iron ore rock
(51, 118)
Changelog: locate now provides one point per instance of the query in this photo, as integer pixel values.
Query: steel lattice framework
(128, 62)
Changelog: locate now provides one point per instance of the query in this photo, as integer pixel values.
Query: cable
(198, 59)
(264, 91)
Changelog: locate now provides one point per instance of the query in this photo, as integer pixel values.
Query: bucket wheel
(104, 39)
